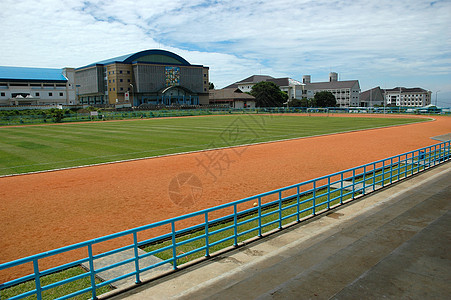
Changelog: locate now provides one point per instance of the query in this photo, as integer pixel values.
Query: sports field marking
(39, 148)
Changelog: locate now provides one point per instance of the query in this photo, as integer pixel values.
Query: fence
(7, 119)
(205, 232)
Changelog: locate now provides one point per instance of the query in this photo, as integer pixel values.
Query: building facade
(154, 77)
(372, 97)
(232, 97)
(347, 93)
(37, 86)
(408, 97)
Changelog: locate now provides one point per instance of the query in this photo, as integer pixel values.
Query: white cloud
(361, 39)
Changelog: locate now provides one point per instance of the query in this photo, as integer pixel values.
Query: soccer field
(46, 147)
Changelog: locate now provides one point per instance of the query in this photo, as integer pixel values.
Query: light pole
(131, 96)
(436, 97)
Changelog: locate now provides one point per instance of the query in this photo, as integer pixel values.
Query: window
(122, 88)
(114, 89)
(120, 72)
(50, 94)
(61, 94)
(113, 80)
(128, 80)
(37, 94)
(109, 81)
(128, 72)
(120, 80)
(109, 72)
(3, 94)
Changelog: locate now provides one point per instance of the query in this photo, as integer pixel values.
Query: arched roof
(166, 89)
(149, 56)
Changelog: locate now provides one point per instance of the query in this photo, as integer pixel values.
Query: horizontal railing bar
(193, 239)
(156, 265)
(115, 265)
(58, 283)
(221, 241)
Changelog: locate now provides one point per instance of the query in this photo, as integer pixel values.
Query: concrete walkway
(394, 244)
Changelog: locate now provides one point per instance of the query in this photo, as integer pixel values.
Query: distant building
(372, 97)
(37, 86)
(346, 92)
(401, 96)
(148, 77)
(287, 85)
(232, 97)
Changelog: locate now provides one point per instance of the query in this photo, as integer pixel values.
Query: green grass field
(46, 147)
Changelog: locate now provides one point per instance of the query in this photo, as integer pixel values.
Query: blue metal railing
(260, 213)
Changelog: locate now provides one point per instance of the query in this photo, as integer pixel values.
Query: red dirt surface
(44, 211)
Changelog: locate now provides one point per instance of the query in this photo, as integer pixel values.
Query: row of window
(37, 94)
(120, 80)
(120, 72)
(120, 89)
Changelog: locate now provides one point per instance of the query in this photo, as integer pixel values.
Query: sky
(386, 43)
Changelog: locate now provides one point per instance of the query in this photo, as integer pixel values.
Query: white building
(401, 96)
(347, 93)
(37, 86)
(287, 85)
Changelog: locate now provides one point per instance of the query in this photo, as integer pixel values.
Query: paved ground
(394, 244)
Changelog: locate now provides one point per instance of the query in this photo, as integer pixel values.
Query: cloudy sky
(384, 43)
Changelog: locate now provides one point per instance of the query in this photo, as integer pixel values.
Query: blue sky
(380, 43)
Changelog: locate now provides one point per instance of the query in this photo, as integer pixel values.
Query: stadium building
(153, 77)
(21, 86)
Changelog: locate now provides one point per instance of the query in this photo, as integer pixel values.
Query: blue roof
(129, 58)
(31, 74)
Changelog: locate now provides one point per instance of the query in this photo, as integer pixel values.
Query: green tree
(325, 99)
(268, 94)
(57, 115)
(304, 102)
(212, 86)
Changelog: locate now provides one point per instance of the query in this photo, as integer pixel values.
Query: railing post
(174, 246)
(92, 272)
(364, 179)
(391, 170)
(259, 216)
(235, 225)
(353, 184)
(37, 279)
(207, 240)
(341, 189)
(298, 198)
(314, 198)
(328, 192)
(280, 209)
(135, 243)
